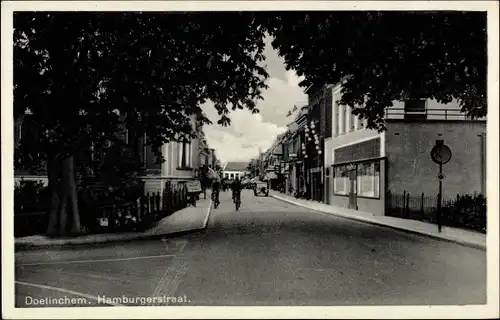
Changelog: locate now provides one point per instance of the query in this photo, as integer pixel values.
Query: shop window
(368, 179)
(367, 183)
(341, 180)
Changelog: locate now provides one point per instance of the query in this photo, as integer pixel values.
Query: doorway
(353, 189)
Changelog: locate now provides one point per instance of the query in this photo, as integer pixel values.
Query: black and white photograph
(335, 155)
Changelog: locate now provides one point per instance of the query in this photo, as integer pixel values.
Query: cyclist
(216, 185)
(236, 188)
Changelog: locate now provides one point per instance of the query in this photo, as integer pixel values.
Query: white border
(490, 310)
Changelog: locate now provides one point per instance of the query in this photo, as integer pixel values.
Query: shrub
(31, 196)
(468, 211)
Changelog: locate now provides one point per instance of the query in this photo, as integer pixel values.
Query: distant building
(233, 170)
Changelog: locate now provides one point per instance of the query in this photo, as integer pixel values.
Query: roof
(236, 166)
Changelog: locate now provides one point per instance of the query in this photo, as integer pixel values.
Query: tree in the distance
(82, 74)
(387, 56)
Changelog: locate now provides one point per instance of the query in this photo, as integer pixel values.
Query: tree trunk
(73, 198)
(64, 217)
(53, 166)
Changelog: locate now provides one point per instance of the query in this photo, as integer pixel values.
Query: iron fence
(464, 211)
(100, 210)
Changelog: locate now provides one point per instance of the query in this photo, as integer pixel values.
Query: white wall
(436, 111)
(241, 173)
(171, 152)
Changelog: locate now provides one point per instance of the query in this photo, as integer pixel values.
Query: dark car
(261, 188)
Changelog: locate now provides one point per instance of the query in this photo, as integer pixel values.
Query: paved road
(268, 253)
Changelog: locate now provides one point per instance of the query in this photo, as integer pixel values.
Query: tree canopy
(78, 72)
(84, 74)
(388, 56)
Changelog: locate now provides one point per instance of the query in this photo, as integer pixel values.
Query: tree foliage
(79, 72)
(82, 74)
(388, 56)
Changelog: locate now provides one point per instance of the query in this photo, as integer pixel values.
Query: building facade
(180, 165)
(234, 170)
(295, 154)
(318, 127)
(363, 165)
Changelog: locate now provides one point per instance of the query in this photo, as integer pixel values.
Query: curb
(380, 224)
(75, 242)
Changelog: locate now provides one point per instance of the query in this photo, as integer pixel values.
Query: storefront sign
(193, 186)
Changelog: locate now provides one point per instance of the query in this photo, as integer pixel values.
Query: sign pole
(440, 197)
(440, 154)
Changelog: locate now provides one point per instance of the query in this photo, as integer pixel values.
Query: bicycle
(237, 201)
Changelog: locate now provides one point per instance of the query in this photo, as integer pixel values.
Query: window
(232, 175)
(150, 159)
(336, 128)
(368, 178)
(185, 160)
(346, 120)
(92, 151)
(341, 180)
(366, 184)
(415, 105)
(226, 175)
(18, 133)
(237, 176)
(415, 109)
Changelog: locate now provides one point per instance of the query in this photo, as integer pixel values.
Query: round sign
(441, 154)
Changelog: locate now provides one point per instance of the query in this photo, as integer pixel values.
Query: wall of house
(241, 173)
(411, 169)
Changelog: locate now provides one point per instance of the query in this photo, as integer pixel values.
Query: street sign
(440, 153)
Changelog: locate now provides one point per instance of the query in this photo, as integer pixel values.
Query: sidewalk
(461, 236)
(190, 219)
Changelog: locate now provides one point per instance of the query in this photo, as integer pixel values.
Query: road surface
(268, 253)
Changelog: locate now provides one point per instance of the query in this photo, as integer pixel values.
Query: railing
(465, 211)
(427, 114)
(101, 212)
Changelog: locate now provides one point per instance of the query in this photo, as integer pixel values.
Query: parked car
(261, 188)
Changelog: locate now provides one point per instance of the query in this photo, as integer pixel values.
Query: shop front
(358, 177)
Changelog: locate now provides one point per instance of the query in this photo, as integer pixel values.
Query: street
(267, 253)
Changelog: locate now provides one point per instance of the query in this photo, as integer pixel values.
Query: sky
(248, 132)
